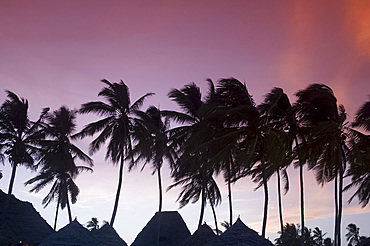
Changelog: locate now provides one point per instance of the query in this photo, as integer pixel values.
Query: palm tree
(57, 161)
(152, 143)
(93, 224)
(242, 137)
(229, 107)
(197, 183)
(290, 236)
(359, 156)
(318, 237)
(277, 113)
(115, 127)
(353, 234)
(276, 117)
(323, 128)
(193, 168)
(18, 136)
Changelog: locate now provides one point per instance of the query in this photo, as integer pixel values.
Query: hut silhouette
(108, 236)
(164, 229)
(73, 234)
(22, 223)
(241, 235)
(200, 237)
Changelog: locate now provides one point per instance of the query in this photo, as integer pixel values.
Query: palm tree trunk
(56, 216)
(230, 200)
(280, 207)
(12, 178)
(266, 197)
(160, 189)
(336, 210)
(202, 207)
(69, 209)
(10, 189)
(340, 207)
(340, 202)
(214, 217)
(301, 187)
(118, 192)
(302, 202)
(214, 214)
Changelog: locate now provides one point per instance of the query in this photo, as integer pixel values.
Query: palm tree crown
(57, 160)
(115, 126)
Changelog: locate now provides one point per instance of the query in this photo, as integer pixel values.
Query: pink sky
(55, 53)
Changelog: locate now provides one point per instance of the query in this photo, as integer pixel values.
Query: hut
(164, 229)
(108, 236)
(73, 234)
(241, 235)
(364, 241)
(21, 223)
(200, 237)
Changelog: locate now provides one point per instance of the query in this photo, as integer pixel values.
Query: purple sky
(55, 53)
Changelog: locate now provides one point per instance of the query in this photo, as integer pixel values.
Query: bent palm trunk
(280, 207)
(265, 209)
(118, 192)
(10, 189)
(160, 189)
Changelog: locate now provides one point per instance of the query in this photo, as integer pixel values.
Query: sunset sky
(55, 53)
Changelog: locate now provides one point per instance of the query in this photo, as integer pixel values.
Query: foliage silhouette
(115, 127)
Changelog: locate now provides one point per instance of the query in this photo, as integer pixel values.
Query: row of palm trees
(222, 132)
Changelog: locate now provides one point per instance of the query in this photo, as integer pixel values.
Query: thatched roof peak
(240, 234)
(109, 236)
(164, 229)
(73, 234)
(22, 222)
(200, 237)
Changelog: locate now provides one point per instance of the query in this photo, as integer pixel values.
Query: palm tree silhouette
(275, 116)
(318, 237)
(18, 136)
(115, 127)
(57, 161)
(152, 143)
(227, 108)
(353, 234)
(323, 126)
(193, 168)
(358, 153)
(93, 224)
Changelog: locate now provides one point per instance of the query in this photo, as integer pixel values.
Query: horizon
(55, 54)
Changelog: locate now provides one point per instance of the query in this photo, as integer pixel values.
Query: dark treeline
(222, 132)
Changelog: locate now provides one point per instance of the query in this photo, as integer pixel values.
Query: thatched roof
(73, 234)
(22, 222)
(203, 235)
(108, 236)
(365, 241)
(164, 229)
(241, 235)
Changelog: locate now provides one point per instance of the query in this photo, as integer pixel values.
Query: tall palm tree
(276, 117)
(228, 108)
(242, 134)
(115, 126)
(152, 143)
(323, 127)
(359, 156)
(18, 136)
(277, 113)
(58, 161)
(353, 234)
(193, 168)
